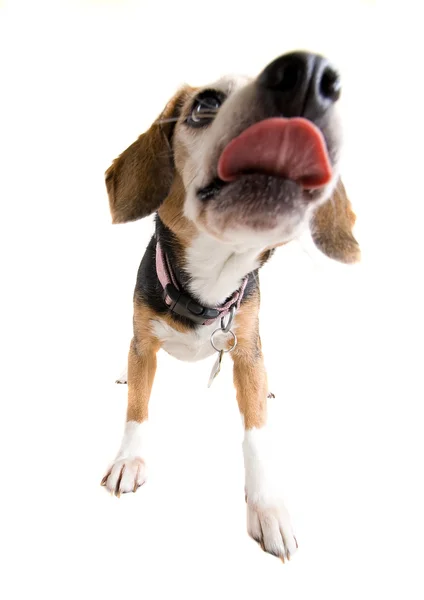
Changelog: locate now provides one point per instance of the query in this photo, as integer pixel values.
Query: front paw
(269, 525)
(125, 475)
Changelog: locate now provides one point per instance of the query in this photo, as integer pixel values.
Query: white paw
(270, 526)
(125, 475)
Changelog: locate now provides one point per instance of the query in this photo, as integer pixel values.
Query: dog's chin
(256, 208)
(257, 192)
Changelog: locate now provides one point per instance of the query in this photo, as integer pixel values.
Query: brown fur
(172, 213)
(140, 178)
(265, 254)
(145, 178)
(332, 228)
(249, 373)
(141, 372)
(143, 315)
(141, 365)
(142, 359)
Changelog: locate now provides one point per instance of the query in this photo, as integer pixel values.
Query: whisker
(187, 185)
(255, 277)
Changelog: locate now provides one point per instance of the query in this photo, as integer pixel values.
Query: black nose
(303, 84)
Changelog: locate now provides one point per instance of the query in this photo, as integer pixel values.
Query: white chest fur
(191, 346)
(216, 271)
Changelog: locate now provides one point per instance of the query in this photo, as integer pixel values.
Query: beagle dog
(232, 170)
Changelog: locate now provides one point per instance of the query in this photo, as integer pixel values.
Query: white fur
(190, 346)
(128, 471)
(196, 169)
(217, 269)
(134, 440)
(217, 266)
(267, 518)
(288, 229)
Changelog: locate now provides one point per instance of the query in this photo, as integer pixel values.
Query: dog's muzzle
(288, 137)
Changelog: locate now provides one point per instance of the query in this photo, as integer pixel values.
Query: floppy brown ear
(332, 226)
(140, 178)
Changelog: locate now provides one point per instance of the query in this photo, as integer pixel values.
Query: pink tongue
(291, 148)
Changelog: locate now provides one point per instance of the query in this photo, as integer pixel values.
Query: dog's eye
(204, 108)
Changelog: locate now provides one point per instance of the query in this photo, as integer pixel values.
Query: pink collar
(182, 304)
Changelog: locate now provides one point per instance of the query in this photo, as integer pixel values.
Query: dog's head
(249, 161)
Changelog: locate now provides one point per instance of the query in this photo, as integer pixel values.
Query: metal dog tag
(216, 368)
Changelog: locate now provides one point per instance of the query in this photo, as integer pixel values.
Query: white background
(343, 345)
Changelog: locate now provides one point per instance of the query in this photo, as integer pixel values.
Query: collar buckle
(183, 305)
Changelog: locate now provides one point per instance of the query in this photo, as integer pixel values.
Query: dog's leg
(128, 471)
(268, 521)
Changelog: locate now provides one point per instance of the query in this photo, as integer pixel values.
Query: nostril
(330, 86)
(285, 74)
(289, 77)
